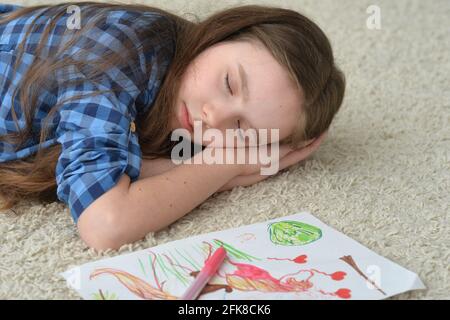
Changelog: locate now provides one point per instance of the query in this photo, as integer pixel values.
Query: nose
(218, 116)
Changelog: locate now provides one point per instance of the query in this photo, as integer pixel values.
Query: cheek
(203, 77)
(187, 83)
(288, 122)
(192, 86)
(188, 80)
(195, 71)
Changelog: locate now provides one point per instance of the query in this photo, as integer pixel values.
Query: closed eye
(227, 84)
(240, 131)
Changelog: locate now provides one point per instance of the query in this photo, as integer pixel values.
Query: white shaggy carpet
(382, 176)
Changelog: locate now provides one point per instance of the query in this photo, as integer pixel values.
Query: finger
(288, 161)
(317, 141)
(250, 179)
(311, 147)
(301, 154)
(283, 150)
(307, 143)
(244, 181)
(293, 158)
(319, 138)
(286, 150)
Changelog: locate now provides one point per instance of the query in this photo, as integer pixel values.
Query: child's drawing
(296, 257)
(252, 278)
(104, 295)
(245, 276)
(293, 233)
(352, 263)
(246, 237)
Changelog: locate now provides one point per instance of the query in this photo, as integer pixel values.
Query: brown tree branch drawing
(352, 263)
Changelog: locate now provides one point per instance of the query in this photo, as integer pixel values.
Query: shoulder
(100, 20)
(120, 30)
(150, 30)
(136, 21)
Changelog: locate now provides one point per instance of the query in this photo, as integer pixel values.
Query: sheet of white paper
(293, 257)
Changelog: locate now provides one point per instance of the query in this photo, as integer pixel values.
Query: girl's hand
(287, 156)
(290, 158)
(243, 181)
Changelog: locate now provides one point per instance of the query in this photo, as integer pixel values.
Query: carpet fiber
(381, 176)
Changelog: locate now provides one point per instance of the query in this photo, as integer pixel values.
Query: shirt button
(132, 126)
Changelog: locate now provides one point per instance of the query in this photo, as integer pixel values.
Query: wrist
(217, 158)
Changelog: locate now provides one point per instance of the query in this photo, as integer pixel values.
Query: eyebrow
(244, 84)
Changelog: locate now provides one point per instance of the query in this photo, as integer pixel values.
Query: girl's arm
(288, 159)
(150, 168)
(157, 166)
(128, 212)
(153, 167)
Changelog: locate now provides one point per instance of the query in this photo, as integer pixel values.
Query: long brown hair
(295, 41)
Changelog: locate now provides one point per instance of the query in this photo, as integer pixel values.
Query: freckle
(184, 182)
(140, 189)
(170, 205)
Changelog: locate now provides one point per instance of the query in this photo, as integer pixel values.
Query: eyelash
(227, 84)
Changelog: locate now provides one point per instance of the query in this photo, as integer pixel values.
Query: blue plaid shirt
(96, 133)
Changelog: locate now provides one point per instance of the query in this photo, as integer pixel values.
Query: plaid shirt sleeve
(96, 133)
(97, 149)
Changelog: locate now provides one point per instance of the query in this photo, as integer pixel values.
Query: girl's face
(262, 95)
